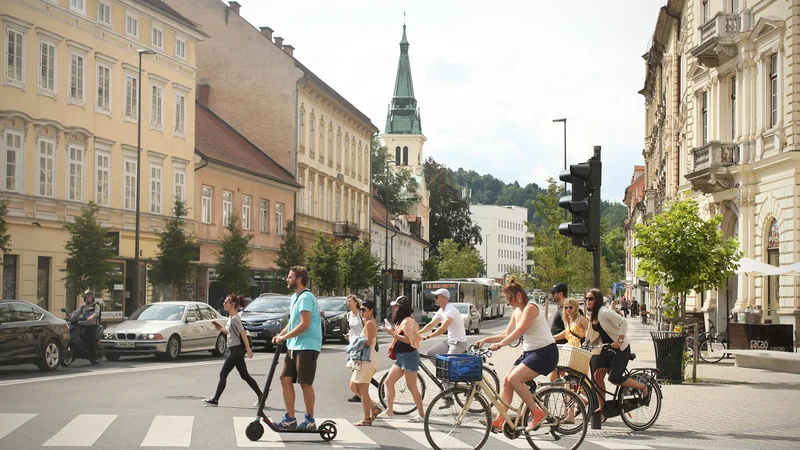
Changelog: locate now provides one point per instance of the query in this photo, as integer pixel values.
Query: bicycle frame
(613, 407)
(494, 397)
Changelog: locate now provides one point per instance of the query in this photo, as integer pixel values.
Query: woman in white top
(356, 326)
(539, 355)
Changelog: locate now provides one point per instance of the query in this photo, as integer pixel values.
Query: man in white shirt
(451, 322)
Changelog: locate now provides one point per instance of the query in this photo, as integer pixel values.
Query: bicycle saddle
(633, 356)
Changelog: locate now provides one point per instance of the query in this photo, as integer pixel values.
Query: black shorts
(542, 361)
(614, 360)
(300, 366)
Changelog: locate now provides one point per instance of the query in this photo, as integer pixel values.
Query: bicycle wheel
(403, 400)
(640, 418)
(712, 350)
(583, 387)
(490, 377)
(566, 424)
(448, 425)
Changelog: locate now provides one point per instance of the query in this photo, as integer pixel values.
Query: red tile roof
(219, 142)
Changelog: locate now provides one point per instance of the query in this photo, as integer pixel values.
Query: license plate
(125, 344)
(251, 334)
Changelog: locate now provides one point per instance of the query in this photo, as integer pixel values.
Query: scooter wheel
(327, 431)
(254, 430)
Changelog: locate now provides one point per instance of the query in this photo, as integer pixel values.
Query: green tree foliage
(177, 252)
(395, 185)
(430, 269)
(613, 247)
(458, 260)
(291, 252)
(684, 253)
(323, 264)
(449, 214)
(89, 250)
(233, 258)
(5, 238)
(358, 267)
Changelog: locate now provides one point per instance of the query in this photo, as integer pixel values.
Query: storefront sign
(118, 287)
(752, 336)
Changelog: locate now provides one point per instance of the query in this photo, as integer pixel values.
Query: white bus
(461, 291)
(495, 305)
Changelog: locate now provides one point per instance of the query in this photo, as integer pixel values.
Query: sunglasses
(588, 298)
(569, 307)
(362, 309)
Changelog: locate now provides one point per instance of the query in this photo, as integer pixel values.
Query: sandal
(364, 423)
(375, 411)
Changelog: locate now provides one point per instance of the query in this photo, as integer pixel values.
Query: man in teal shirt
(303, 337)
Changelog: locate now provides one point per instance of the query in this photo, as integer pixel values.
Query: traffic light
(584, 203)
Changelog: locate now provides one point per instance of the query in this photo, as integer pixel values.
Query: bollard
(597, 421)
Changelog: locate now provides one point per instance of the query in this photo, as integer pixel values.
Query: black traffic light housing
(584, 203)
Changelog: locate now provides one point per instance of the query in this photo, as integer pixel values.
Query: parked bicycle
(712, 348)
(462, 426)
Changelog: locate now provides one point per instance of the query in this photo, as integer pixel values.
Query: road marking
(83, 431)
(269, 439)
(349, 435)
(620, 446)
(169, 431)
(416, 431)
(10, 422)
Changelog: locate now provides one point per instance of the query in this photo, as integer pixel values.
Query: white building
(504, 238)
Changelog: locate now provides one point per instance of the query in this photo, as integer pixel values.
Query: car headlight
(108, 335)
(151, 336)
(337, 317)
(272, 322)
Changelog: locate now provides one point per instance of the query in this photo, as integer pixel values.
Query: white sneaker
(417, 419)
(385, 416)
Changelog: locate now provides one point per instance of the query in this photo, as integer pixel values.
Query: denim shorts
(408, 361)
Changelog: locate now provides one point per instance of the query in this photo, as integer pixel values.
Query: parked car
(472, 319)
(31, 335)
(335, 311)
(166, 329)
(266, 316)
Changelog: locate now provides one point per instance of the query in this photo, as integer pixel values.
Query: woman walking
(356, 325)
(575, 324)
(238, 346)
(360, 381)
(406, 348)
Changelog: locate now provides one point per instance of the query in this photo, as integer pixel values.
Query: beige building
(722, 127)
(68, 119)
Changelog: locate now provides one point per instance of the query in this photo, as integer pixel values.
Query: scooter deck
(296, 430)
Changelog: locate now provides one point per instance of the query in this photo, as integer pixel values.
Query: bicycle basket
(575, 358)
(458, 367)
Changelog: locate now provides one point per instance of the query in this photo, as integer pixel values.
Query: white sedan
(472, 319)
(166, 330)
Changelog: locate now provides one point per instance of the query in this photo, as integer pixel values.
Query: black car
(335, 310)
(266, 316)
(31, 335)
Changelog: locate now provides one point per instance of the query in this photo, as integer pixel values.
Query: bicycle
(712, 348)
(625, 402)
(404, 402)
(465, 426)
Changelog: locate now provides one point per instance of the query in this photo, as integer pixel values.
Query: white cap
(443, 292)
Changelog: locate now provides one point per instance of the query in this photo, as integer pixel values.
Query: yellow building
(68, 120)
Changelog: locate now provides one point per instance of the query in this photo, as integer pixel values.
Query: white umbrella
(749, 266)
(792, 269)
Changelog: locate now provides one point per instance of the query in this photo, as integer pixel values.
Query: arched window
(397, 155)
(302, 127)
(339, 149)
(405, 156)
(322, 139)
(773, 281)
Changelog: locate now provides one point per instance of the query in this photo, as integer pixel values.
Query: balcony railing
(346, 230)
(716, 40)
(710, 164)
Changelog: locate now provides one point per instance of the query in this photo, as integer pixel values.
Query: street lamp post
(135, 290)
(564, 121)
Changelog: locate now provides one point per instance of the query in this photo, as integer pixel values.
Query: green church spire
(403, 116)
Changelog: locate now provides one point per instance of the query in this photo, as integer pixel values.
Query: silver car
(470, 315)
(166, 330)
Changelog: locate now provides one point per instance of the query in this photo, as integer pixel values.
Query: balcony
(710, 165)
(346, 230)
(717, 44)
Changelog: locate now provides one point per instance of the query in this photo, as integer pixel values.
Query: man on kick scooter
(303, 337)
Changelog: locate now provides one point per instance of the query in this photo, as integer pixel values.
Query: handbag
(392, 354)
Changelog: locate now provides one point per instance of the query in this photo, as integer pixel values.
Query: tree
(684, 253)
(613, 245)
(551, 251)
(89, 250)
(458, 260)
(177, 252)
(323, 263)
(291, 252)
(233, 258)
(449, 213)
(5, 238)
(358, 267)
(430, 269)
(396, 187)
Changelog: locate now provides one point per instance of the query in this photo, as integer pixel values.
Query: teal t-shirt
(311, 339)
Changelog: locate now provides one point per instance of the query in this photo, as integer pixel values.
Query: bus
(495, 304)
(461, 291)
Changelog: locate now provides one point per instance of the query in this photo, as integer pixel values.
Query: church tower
(403, 134)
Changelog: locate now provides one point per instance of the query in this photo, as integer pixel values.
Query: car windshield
(269, 305)
(159, 311)
(332, 304)
(462, 308)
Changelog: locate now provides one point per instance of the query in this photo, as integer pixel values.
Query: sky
(489, 81)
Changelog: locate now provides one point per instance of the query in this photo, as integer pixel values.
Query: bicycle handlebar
(479, 351)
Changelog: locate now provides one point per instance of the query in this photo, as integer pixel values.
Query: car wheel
(113, 356)
(173, 348)
(221, 346)
(468, 328)
(50, 357)
(67, 356)
(478, 330)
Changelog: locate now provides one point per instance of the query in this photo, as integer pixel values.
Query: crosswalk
(26, 430)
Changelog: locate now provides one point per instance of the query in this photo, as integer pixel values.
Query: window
(353, 157)
(77, 5)
(103, 88)
(360, 165)
(397, 156)
(339, 149)
(329, 216)
(405, 156)
(206, 203)
(12, 161)
(227, 207)
(321, 139)
(46, 161)
(733, 109)
(320, 201)
(132, 25)
(76, 78)
(156, 105)
(706, 11)
(158, 37)
(47, 67)
(75, 168)
(302, 128)
(131, 95)
(311, 204)
(301, 196)
(338, 204)
(773, 90)
(366, 163)
(330, 145)
(180, 48)
(353, 208)
(346, 154)
(180, 184)
(279, 219)
(311, 135)
(734, 5)
(104, 13)
(43, 282)
(263, 215)
(246, 204)
(180, 114)
(103, 169)
(130, 184)
(10, 263)
(156, 172)
(15, 63)
(704, 107)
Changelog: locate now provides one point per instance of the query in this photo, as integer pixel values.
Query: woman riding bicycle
(608, 327)
(539, 355)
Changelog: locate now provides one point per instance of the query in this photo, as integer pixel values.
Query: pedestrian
(406, 349)
(559, 292)
(614, 307)
(575, 324)
(89, 313)
(303, 337)
(360, 380)
(238, 347)
(625, 306)
(634, 308)
(355, 324)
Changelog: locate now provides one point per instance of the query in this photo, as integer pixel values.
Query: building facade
(505, 238)
(635, 288)
(68, 119)
(722, 127)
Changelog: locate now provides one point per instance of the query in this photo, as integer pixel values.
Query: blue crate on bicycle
(460, 367)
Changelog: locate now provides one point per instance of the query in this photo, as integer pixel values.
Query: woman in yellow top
(575, 324)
